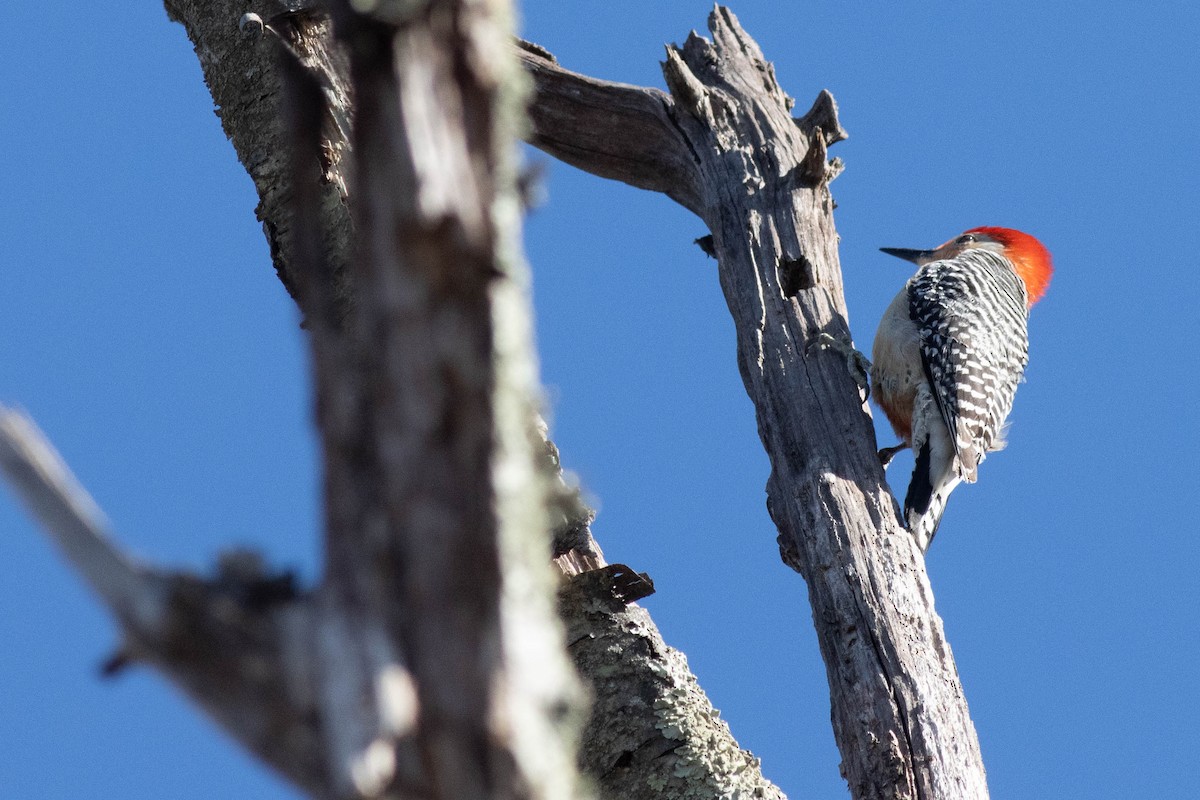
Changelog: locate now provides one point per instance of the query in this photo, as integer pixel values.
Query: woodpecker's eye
(966, 238)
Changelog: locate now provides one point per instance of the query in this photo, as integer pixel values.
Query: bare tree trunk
(668, 724)
(436, 526)
(428, 663)
(724, 145)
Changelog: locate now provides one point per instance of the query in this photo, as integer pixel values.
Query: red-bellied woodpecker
(949, 353)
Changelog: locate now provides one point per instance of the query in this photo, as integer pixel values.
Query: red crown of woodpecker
(1029, 256)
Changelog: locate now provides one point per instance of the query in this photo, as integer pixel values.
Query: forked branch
(759, 179)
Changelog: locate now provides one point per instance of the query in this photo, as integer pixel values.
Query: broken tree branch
(42, 480)
(237, 644)
(246, 84)
(635, 142)
(759, 180)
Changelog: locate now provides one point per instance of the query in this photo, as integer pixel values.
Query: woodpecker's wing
(971, 314)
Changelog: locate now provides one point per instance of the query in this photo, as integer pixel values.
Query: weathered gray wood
(645, 151)
(437, 530)
(236, 644)
(759, 180)
(325, 687)
(42, 480)
(574, 548)
(333, 687)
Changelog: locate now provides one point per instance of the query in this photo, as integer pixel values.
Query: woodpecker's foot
(858, 365)
(888, 453)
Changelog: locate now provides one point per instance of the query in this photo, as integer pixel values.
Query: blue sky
(143, 327)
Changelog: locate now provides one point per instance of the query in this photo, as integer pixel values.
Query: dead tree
(428, 662)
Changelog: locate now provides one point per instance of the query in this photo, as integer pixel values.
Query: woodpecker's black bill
(908, 255)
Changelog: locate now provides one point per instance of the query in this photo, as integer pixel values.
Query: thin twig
(44, 482)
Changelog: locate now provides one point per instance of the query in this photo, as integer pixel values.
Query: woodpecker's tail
(935, 476)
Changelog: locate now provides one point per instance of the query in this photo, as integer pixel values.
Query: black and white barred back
(973, 321)
(972, 317)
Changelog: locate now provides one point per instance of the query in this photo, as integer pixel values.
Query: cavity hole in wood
(795, 275)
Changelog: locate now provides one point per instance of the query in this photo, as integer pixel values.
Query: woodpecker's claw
(858, 365)
(888, 453)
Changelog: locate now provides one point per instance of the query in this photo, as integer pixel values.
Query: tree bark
(410, 670)
(723, 144)
(436, 525)
(242, 73)
(430, 661)
(654, 677)
(332, 687)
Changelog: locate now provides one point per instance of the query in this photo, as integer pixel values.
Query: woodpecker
(949, 353)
